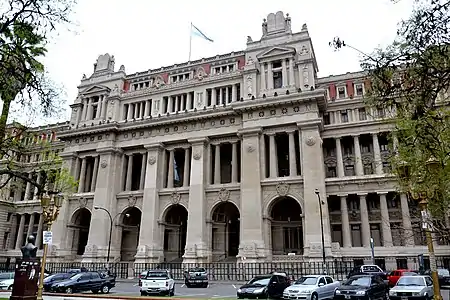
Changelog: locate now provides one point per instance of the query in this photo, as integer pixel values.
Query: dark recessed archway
(225, 230)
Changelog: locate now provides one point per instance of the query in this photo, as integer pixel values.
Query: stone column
(196, 246)
(269, 76)
(217, 179)
(263, 77)
(234, 162)
(227, 95)
(359, 166)
(104, 107)
(150, 240)
(148, 105)
(262, 151)
(300, 155)
(19, 240)
(339, 160)
(82, 180)
(186, 167)
(314, 178)
(273, 167)
(89, 110)
(30, 226)
(213, 97)
(292, 158)
(129, 173)
(233, 93)
(408, 232)
(365, 226)
(284, 73)
(177, 101)
(142, 110)
(28, 187)
(346, 232)
(143, 166)
(386, 223)
(252, 245)
(86, 109)
(130, 111)
(184, 103)
(95, 173)
(38, 180)
(170, 170)
(189, 100)
(220, 96)
(377, 154)
(98, 113)
(14, 221)
(291, 72)
(39, 231)
(136, 111)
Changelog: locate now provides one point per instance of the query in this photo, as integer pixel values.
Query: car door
(377, 287)
(282, 284)
(272, 286)
(96, 282)
(83, 284)
(321, 287)
(330, 287)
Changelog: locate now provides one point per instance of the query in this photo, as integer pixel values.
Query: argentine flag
(197, 32)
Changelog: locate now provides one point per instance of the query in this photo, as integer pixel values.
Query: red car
(394, 276)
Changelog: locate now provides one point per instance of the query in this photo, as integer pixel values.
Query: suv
(159, 282)
(196, 277)
(265, 286)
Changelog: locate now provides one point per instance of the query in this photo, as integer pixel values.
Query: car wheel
(143, 294)
(314, 296)
(205, 285)
(10, 288)
(69, 290)
(172, 291)
(105, 289)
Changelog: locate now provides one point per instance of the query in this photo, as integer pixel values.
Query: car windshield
(410, 281)
(4, 276)
(306, 281)
(360, 281)
(76, 276)
(157, 275)
(443, 272)
(199, 270)
(260, 281)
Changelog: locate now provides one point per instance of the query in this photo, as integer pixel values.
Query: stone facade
(230, 157)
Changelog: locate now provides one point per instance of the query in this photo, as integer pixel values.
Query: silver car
(410, 287)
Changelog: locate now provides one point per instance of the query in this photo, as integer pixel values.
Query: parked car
(395, 275)
(314, 287)
(362, 287)
(196, 277)
(265, 286)
(368, 270)
(443, 275)
(54, 278)
(6, 281)
(157, 282)
(85, 281)
(412, 287)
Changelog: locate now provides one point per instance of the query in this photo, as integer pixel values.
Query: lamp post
(50, 211)
(321, 225)
(111, 219)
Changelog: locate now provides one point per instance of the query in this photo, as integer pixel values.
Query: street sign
(47, 237)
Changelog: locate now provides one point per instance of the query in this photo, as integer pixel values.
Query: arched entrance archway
(175, 232)
(80, 223)
(131, 222)
(225, 231)
(287, 226)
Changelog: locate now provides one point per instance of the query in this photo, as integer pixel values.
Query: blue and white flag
(175, 171)
(197, 32)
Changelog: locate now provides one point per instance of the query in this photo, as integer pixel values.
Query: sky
(144, 34)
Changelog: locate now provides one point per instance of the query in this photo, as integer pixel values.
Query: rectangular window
(341, 92)
(362, 114)
(359, 89)
(326, 119)
(344, 116)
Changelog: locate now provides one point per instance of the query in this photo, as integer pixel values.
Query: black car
(196, 277)
(443, 274)
(362, 287)
(264, 286)
(85, 281)
(54, 278)
(368, 270)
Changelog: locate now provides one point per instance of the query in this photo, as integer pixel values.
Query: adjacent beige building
(220, 159)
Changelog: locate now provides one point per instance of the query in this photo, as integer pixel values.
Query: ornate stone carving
(200, 73)
(305, 76)
(310, 141)
(175, 198)
(104, 164)
(159, 82)
(249, 85)
(250, 61)
(83, 202)
(224, 194)
(197, 155)
(282, 189)
(250, 148)
(132, 200)
(304, 50)
(115, 90)
(110, 109)
(151, 160)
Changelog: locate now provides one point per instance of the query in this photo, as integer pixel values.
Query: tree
(25, 30)
(411, 77)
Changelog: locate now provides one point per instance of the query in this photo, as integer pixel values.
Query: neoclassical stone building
(220, 158)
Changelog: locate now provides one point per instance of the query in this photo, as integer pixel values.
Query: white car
(412, 287)
(314, 287)
(6, 281)
(157, 282)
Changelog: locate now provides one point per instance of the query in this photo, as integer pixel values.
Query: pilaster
(196, 239)
(150, 247)
(252, 246)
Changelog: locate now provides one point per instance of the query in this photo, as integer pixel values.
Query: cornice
(83, 131)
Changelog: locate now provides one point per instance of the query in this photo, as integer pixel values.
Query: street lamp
(50, 211)
(321, 224)
(111, 219)
(422, 198)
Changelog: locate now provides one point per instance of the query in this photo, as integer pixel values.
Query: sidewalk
(89, 297)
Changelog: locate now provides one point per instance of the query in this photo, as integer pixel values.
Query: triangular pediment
(95, 89)
(276, 51)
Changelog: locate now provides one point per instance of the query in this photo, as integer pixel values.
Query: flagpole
(190, 42)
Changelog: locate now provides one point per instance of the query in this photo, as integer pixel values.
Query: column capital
(250, 131)
(363, 194)
(106, 150)
(384, 193)
(201, 140)
(310, 124)
(290, 131)
(154, 146)
(355, 135)
(68, 155)
(342, 195)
